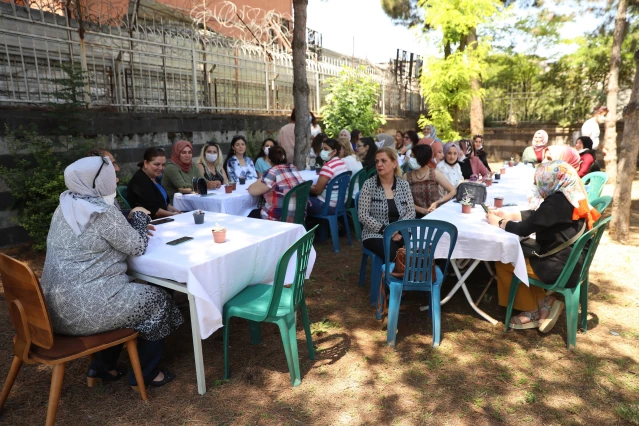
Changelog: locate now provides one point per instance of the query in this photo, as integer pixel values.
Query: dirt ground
(479, 375)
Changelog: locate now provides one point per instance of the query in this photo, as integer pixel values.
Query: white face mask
(326, 155)
(266, 148)
(211, 157)
(109, 199)
(412, 162)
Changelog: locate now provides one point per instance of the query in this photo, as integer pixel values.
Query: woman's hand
(213, 184)
(493, 219)
(396, 236)
(432, 207)
(139, 209)
(150, 228)
(499, 213)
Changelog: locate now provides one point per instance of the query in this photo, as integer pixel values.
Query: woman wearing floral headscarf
(563, 153)
(180, 171)
(535, 153)
(559, 210)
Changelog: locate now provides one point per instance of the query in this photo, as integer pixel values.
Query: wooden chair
(35, 341)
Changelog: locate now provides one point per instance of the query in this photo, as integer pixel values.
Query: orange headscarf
(175, 155)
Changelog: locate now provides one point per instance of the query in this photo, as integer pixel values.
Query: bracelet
(500, 222)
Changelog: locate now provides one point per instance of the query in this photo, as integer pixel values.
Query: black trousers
(149, 352)
(376, 245)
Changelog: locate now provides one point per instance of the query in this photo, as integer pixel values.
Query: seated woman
(261, 162)
(588, 157)
(365, 150)
(535, 153)
(438, 153)
(274, 185)
(471, 165)
(180, 171)
(399, 140)
(425, 181)
(333, 166)
(559, 210)
(563, 153)
(144, 190)
(410, 139)
(348, 157)
(356, 136)
(478, 141)
(237, 164)
(450, 167)
(84, 279)
(384, 199)
(210, 165)
(314, 158)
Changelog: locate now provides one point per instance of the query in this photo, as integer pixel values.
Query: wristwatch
(500, 221)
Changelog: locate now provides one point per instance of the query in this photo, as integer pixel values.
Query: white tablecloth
(214, 273)
(238, 203)
(476, 239)
(309, 175)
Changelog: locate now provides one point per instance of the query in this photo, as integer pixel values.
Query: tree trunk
(476, 107)
(622, 199)
(300, 85)
(610, 135)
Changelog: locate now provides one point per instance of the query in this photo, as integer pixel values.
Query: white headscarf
(82, 202)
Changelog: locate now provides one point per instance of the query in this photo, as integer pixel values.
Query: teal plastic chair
(420, 236)
(594, 183)
(340, 181)
(276, 304)
(359, 178)
(601, 204)
(572, 296)
(301, 193)
(122, 192)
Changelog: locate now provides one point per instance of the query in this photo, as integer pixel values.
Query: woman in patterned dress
(84, 278)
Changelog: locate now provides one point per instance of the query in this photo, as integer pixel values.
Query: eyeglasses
(104, 162)
(359, 145)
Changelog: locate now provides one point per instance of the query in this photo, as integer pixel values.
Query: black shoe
(168, 377)
(94, 375)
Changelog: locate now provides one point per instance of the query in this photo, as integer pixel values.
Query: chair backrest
(27, 308)
(340, 181)
(371, 172)
(123, 191)
(303, 248)
(595, 182)
(301, 193)
(601, 204)
(351, 186)
(421, 237)
(595, 235)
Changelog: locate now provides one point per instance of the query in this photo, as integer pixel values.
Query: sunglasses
(104, 162)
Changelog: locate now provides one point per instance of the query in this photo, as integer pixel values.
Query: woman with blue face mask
(425, 181)
(333, 166)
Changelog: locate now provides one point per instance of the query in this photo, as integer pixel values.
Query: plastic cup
(499, 201)
(503, 171)
(228, 188)
(488, 182)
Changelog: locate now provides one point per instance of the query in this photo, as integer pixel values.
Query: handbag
(473, 190)
(531, 249)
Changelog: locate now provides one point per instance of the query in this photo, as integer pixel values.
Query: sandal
(533, 317)
(553, 314)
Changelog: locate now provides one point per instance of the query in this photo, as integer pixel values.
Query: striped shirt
(332, 168)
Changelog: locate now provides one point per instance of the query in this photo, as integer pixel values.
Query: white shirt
(353, 166)
(591, 129)
(453, 173)
(315, 130)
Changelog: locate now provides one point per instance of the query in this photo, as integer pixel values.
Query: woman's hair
(355, 135)
(277, 155)
(218, 162)
(150, 154)
(400, 132)
(293, 115)
(369, 160)
(316, 145)
(332, 143)
(423, 154)
(585, 141)
(600, 110)
(313, 119)
(413, 136)
(346, 146)
(478, 136)
(232, 151)
(262, 154)
(392, 155)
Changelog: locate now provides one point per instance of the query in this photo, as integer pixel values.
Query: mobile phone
(161, 221)
(179, 241)
(483, 206)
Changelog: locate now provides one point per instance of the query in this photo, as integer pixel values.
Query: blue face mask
(310, 118)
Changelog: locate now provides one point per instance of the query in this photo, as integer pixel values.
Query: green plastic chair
(571, 295)
(122, 192)
(301, 193)
(351, 209)
(601, 204)
(276, 304)
(595, 182)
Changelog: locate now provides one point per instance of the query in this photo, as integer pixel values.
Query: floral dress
(234, 170)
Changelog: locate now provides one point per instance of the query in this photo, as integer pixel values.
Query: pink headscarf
(175, 155)
(426, 141)
(437, 148)
(564, 153)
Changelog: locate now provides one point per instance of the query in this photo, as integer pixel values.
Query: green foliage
(36, 181)
(455, 19)
(70, 100)
(350, 103)
(403, 12)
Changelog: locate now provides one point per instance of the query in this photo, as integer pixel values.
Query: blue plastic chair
(594, 183)
(421, 236)
(376, 267)
(340, 181)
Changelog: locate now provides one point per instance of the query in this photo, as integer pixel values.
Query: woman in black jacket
(559, 211)
(144, 189)
(478, 141)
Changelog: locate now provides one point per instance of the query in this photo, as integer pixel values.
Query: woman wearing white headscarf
(84, 278)
(535, 153)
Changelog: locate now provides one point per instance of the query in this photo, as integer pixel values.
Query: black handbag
(473, 190)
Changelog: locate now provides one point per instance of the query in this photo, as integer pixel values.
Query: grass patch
(629, 412)
(324, 326)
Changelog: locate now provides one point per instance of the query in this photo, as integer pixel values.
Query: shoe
(94, 375)
(516, 324)
(168, 377)
(554, 310)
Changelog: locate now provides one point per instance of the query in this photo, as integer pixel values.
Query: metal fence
(165, 66)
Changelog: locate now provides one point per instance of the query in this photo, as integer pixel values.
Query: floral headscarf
(175, 155)
(565, 153)
(559, 176)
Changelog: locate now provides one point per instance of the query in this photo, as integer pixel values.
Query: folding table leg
(197, 347)
(490, 281)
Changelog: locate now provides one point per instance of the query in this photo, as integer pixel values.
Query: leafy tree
(350, 102)
(403, 12)
(300, 84)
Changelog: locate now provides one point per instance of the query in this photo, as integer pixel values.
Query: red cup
(228, 188)
(488, 182)
(503, 171)
(499, 201)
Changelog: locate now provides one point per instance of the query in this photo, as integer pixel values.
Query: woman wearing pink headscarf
(535, 153)
(179, 172)
(564, 153)
(438, 151)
